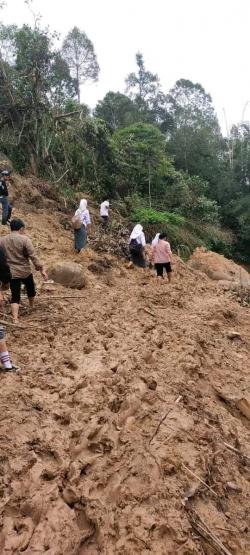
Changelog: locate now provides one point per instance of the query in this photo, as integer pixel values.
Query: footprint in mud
(16, 534)
(48, 463)
(104, 445)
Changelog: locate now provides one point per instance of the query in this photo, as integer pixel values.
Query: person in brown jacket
(19, 251)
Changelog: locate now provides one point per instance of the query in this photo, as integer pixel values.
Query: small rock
(233, 335)
(234, 487)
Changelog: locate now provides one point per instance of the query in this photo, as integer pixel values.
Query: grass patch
(149, 216)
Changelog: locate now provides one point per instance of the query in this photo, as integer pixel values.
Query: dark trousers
(5, 209)
(105, 220)
(160, 267)
(15, 287)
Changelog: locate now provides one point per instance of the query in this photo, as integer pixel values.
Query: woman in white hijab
(155, 240)
(81, 232)
(137, 243)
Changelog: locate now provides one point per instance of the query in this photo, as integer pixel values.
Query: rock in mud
(68, 274)
(219, 268)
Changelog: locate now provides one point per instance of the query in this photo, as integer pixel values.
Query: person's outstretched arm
(30, 253)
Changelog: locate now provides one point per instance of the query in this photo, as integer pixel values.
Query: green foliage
(151, 216)
(238, 217)
(140, 154)
(82, 148)
(195, 139)
(36, 82)
(118, 110)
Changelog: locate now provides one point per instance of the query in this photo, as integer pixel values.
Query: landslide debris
(113, 437)
(219, 268)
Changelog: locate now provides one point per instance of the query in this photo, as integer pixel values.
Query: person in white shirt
(81, 234)
(137, 243)
(104, 212)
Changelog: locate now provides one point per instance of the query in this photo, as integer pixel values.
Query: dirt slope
(88, 464)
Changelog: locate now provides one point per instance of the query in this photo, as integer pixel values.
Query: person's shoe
(13, 368)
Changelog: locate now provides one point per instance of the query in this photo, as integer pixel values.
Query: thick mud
(114, 437)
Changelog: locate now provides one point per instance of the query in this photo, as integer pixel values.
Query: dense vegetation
(163, 153)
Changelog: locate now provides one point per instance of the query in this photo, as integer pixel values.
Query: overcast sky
(206, 41)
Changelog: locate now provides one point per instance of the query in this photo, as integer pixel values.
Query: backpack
(76, 222)
(134, 247)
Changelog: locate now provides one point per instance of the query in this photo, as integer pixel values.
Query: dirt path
(88, 463)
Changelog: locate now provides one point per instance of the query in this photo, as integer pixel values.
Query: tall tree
(79, 53)
(195, 138)
(142, 85)
(144, 89)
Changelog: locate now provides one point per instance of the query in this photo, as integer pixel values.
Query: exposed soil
(88, 463)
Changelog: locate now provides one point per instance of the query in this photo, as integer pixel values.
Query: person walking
(162, 256)
(137, 245)
(5, 277)
(19, 251)
(4, 194)
(81, 220)
(104, 212)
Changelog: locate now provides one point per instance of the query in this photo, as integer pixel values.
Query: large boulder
(219, 268)
(68, 274)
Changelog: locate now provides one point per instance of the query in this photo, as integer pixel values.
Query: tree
(195, 138)
(144, 89)
(78, 51)
(33, 85)
(117, 109)
(140, 155)
(142, 85)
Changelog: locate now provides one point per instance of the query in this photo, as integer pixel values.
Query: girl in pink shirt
(162, 256)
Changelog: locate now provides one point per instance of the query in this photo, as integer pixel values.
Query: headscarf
(82, 207)
(136, 232)
(155, 240)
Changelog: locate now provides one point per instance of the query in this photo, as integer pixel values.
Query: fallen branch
(18, 326)
(164, 418)
(147, 311)
(201, 527)
(199, 479)
(60, 116)
(236, 450)
(61, 297)
(57, 181)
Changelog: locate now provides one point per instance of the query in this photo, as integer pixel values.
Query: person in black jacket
(5, 277)
(6, 208)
